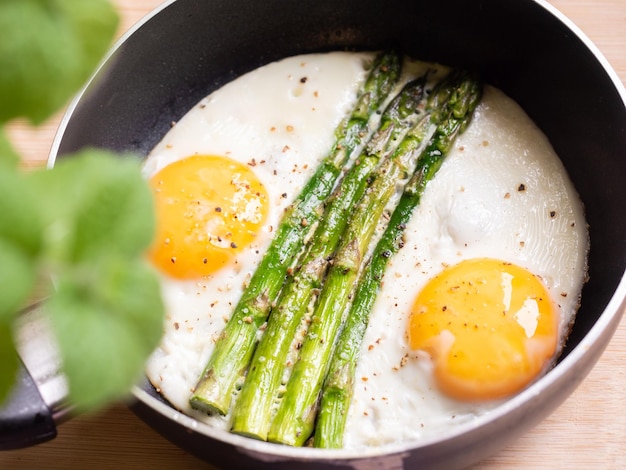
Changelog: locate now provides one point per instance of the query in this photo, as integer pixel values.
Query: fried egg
(491, 270)
(480, 299)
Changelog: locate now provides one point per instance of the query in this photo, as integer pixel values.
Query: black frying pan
(191, 47)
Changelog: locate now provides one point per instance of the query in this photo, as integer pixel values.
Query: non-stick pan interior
(194, 46)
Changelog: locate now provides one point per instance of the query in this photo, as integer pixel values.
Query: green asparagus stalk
(234, 348)
(338, 388)
(294, 419)
(296, 415)
(252, 412)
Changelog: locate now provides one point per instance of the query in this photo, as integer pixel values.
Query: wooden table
(587, 431)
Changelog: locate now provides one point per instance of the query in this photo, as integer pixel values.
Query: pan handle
(38, 402)
(25, 418)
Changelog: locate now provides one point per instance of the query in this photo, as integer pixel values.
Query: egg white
(502, 192)
(280, 120)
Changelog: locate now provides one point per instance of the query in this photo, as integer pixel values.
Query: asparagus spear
(295, 418)
(235, 345)
(338, 388)
(252, 412)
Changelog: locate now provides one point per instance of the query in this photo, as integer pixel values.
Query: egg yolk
(208, 209)
(489, 326)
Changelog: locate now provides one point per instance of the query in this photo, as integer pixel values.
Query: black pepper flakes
(304, 79)
(521, 187)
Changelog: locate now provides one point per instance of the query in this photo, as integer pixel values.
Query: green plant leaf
(107, 311)
(20, 220)
(9, 159)
(17, 279)
(8, 359)
(49, 48)
(95, 202)
(108, 317)
(118, 210)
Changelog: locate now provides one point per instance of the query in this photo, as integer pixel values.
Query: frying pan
(188, 48)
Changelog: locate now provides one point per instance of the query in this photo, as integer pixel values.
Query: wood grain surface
(587, 431)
